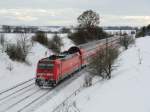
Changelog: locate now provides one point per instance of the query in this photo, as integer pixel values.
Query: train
(55, 68)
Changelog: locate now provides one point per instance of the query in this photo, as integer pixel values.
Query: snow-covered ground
(21, 71)
(127, 91)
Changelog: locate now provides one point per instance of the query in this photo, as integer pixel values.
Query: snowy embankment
(128, 90)
(20, 71)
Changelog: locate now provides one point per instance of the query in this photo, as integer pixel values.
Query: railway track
(21, 97)
(17, 86)
(14, 91)
(21, 102)
(93, 44)
(29, 98)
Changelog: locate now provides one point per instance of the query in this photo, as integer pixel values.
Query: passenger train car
(53, 69)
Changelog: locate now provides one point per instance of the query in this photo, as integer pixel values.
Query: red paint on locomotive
(52, 69)
(55, 68)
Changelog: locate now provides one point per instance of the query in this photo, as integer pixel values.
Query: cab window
(45, 66)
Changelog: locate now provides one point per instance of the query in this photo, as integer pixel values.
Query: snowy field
(127, 91)
(120, 31)
(22, 72)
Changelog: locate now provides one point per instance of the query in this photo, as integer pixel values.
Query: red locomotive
(55, 68)
(52, 69)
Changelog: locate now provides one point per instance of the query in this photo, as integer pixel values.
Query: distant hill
(51, 29)
(119, 28)
(29, 29)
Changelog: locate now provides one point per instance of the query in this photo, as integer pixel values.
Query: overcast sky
(65, 12)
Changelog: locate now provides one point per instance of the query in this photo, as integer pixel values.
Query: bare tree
(102, 63)
(88, 19)
(88, 29)
(139, 56)
(2, 41)
(10, 67)
(96, 64)
(111, 55)
(56, 43)
(25, 43)
(126, 40)
(87, 81)
(6, 29)
(41, 37)
(20, 50)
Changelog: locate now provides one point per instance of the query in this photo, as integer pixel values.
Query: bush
(88, 19)
(88, 29)
(10, 67)
(56, 43)
(41, 37)
(102, 64)
(20, 50)
(2, 41)
(141, 32)
(15, 52)
(126, 40)
(82, 35)
(87, 81)
(145, 30)
(79, 36)
(65, 30)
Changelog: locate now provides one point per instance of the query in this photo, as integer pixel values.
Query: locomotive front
(46, 73)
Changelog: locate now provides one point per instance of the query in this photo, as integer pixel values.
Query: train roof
(63, 55)
(66, 54)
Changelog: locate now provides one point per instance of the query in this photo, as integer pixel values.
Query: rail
(20, 84)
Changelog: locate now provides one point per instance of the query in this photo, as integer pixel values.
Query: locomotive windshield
(45, 66)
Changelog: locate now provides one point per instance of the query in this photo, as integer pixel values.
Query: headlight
(49, 74)
(39, 74)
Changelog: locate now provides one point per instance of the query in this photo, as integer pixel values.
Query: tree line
(31, 29)
(88, 28)
(143, 31)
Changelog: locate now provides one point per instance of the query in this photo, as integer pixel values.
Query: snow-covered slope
(21, 71)
(128, 90)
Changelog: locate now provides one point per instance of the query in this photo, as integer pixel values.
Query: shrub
(82, 35)
(126, 40)
(56, 43)
(10, 67)
(65, 30)
(87, 81)
(20, 50)
(145, 30)
(88, 29)
(88, 19)
(15, 52)
(79, 37)
(102, 63)
(41, 37)
(141, 32)
(2, 41)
